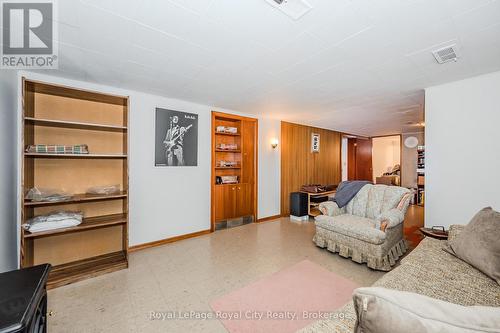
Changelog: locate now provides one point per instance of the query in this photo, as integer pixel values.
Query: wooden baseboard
(269, 218)
(167, 240)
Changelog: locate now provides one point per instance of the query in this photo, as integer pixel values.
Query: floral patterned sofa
(369, 229)
(429, 271)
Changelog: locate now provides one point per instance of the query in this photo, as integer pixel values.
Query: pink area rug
(285, 301)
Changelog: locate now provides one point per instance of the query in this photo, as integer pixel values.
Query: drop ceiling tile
(199, 6)
(255, 21)
(478, 19)
(342, 25)
(178, 22)
(125, 8)
(249, 56)
(294, 52)
(457, 7)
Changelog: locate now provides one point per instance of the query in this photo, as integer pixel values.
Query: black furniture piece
(23, 300)
(299, 205)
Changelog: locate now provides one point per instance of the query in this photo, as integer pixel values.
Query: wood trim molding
(232, 116)
(269, 218)
(167, 240)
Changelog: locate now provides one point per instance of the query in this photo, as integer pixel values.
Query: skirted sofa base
(377, 256)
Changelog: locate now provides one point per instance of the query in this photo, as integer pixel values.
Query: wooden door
(244, 201)
(245, 195)
(359, 159)
(351, 159)
(364, 169)
(225, 202)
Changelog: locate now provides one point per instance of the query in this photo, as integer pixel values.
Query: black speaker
(23, 300)
(298, 204)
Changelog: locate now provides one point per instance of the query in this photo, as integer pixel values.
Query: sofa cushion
(478, 243)
(357, 206)
(373, 200)
(361, 228)
(409, 312)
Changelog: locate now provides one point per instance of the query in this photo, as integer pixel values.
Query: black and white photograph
(176, 138)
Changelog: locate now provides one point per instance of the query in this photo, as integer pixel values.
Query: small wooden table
(438, 233)
(312, 207)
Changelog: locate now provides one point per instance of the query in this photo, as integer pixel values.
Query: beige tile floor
(186, 275)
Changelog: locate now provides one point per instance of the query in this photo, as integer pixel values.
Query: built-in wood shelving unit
(235, 200)
(54, 114)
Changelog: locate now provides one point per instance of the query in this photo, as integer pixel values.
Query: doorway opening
(356, 158)
(386, 155)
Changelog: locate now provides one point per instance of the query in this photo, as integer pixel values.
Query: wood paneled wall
(300, 166)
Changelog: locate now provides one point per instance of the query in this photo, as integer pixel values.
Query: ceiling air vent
(293, 8)
(446, 54)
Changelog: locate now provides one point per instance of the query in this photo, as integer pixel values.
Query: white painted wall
(344, 158)
(409, 160)
(386, 152)
(270, 163)
(462, 139)
(8, 167)
(167, 202)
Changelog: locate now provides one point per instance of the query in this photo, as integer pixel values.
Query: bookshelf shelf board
(52, 155)
(87, 224)
(83, 197)
(227, 151)
(74, 124)
(227, 134)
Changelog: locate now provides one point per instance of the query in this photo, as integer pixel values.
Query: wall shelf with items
(421, 175)
(65, 116)
(234, 167)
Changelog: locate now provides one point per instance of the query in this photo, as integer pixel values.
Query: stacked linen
(55, 220)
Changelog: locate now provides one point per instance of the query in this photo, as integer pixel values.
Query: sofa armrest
(454, 230)
(389, 219)
(330, 208)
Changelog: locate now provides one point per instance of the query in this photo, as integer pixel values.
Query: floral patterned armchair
(369, 229)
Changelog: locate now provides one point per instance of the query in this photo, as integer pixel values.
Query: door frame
(215, 114)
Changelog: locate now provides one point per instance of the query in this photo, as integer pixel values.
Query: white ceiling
(358, 66)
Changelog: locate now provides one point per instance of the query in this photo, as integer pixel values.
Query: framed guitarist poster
(176, 138)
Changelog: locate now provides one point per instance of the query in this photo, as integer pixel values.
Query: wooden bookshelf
(54, 114)
(421, 175)
(237, 200)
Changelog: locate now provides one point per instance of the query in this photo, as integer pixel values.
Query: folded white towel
(52, 221)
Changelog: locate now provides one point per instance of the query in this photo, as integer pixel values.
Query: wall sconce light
(274, 143)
